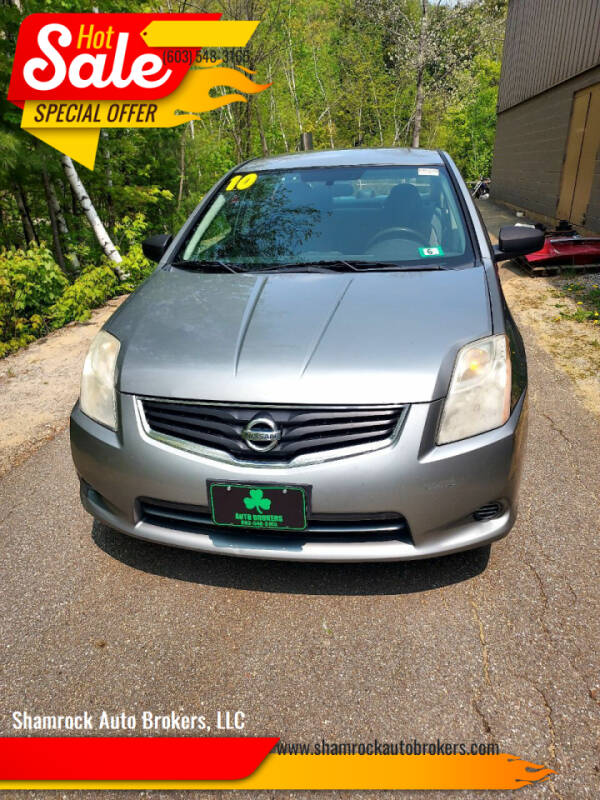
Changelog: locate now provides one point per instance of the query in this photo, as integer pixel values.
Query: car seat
(404, 208)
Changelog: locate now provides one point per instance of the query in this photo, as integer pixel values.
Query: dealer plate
(275, 507)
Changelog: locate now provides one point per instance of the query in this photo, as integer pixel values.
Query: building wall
(546, 42)
(530, 146)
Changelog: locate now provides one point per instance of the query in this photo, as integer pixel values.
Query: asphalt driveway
(499, 646)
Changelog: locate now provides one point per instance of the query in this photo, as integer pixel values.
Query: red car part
(566, 250)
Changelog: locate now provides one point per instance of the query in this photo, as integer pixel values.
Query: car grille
(303, 429)
(324, 527)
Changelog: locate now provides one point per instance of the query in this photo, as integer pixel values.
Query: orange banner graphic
(307, 772)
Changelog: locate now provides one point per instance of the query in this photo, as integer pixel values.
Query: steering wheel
(393, 233)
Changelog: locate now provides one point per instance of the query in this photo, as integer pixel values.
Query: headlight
(98, 397)
(479, 395)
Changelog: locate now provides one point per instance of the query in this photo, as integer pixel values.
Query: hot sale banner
(74, 74)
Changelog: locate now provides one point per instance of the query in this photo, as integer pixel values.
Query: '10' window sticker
(241, 181)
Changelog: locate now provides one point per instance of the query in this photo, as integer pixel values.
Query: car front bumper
(435, 489)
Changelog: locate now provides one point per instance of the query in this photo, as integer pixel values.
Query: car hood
(299, 338)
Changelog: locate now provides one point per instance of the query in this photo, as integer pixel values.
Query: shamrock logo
(257, 501)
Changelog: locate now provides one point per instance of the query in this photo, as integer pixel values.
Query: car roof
(352, 157)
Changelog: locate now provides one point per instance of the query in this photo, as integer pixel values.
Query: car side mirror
(154, 247)
(517, 240)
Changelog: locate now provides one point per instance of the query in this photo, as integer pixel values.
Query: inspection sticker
(425, 252)
(428, 171)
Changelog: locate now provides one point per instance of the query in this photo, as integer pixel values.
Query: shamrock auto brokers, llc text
(146, 721)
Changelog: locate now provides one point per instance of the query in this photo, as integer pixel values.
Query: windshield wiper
(209, 266)
(341, 265)
(336, 265)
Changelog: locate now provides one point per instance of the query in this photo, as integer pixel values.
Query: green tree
(469, 123)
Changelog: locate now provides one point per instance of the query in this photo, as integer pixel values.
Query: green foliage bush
(136, 265)
(30, 281)
(36, 297)
(91, 289)
(130, 232)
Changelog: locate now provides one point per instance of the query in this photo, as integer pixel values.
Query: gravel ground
(537, 303)
(573, 346)
(499, 646)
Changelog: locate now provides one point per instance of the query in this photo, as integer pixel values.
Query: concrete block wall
(531, 139)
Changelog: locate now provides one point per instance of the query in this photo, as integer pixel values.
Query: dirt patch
(40, 384)
(575, 346)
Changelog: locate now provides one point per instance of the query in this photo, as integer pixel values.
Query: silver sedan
(321, 368)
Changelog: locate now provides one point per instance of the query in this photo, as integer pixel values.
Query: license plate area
(259, 506)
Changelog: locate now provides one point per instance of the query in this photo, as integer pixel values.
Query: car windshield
(365, 217)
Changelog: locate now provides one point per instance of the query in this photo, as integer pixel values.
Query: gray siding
(546, 42)
(530, 144)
